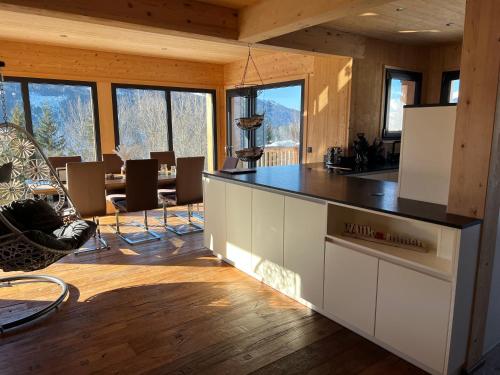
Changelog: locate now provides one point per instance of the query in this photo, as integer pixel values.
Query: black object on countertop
(313, 180)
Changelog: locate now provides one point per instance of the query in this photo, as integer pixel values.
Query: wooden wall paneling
(272, 68)
(40, 61)
(442, 58)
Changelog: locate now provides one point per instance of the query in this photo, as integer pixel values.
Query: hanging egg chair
(38, 221)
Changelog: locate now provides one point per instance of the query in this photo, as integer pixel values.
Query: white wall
(492, 337)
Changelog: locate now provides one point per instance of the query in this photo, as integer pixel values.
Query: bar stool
(87, 189)
(189, 191)
(112, 163)
(163, 157)
(140, 195)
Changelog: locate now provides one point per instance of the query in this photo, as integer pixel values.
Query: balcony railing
(279, 156)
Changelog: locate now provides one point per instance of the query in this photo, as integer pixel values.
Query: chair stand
(183, 229)
(100, 243)
(7, 282)
(153, 236)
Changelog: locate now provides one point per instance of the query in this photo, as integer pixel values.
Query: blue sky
(286, 96)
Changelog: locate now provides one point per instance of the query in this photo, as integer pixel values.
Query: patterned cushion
(31, 214)
(75, 234)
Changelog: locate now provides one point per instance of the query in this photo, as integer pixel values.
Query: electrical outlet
(309, 149)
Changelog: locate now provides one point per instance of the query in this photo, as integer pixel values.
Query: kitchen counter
(313, 180)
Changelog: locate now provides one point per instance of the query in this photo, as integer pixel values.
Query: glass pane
(63, 119)
(239, 108)
(454, 89)
(15, 106)
(142, 121)
(280, 134)
(402, 93)
(192, 125)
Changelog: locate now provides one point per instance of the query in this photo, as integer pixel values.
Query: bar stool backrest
(230, 163)
(87, 188)
(112, 163)
(61, 161)
(188, 180)
(141, 187)
(163, 157)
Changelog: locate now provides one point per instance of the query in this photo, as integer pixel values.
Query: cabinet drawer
(351, 286)
(413, 314)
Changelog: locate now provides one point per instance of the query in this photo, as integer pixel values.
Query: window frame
(28, 119)
(447, 78)
(389, 74)
(231, 93)
(168, 98)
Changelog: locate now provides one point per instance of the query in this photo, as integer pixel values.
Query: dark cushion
(75, 234)
(31, 214)
(48, 240)
(5, 172)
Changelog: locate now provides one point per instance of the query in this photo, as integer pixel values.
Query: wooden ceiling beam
(321, 40)
(178, 17)
(272, 18)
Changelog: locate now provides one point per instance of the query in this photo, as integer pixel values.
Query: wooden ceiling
(79, 34)
(234, 4)
(408, 21)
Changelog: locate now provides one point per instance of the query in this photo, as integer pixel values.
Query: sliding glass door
(282, 105)
(61, 115)
(151, 118)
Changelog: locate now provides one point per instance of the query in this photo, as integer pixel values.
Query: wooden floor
(169, 307)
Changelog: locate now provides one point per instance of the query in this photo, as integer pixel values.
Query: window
(61, 115)
(15, 103)
(450, 85)
(280, 135)
(160, 118)
(193, 124)
(142, 120)
(401, 88)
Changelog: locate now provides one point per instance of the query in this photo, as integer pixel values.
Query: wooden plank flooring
(170, 307)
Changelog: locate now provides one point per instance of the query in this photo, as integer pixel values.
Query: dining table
(112, 183)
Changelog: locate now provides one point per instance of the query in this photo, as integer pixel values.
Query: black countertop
(313, 180)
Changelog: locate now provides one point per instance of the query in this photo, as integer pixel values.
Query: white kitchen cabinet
(239, 226)
(215, 215)
(304, 233)
(351, 286)
(413, 312)
(267, 238)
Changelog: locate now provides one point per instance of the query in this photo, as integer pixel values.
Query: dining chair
(61, 161)
(87, 189)
(189, 191)
(230, 163)
(112, 163)
(163, 157)
(141, 194)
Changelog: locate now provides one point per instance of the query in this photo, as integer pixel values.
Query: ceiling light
(399, 9)
(63, 36)
(368, 14)
(450, 24)
(418, 31)
(164, 49)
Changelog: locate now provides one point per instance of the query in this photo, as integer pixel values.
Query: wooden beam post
(321, 40)
(272, 18)
(475, 175)
(175, 16)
